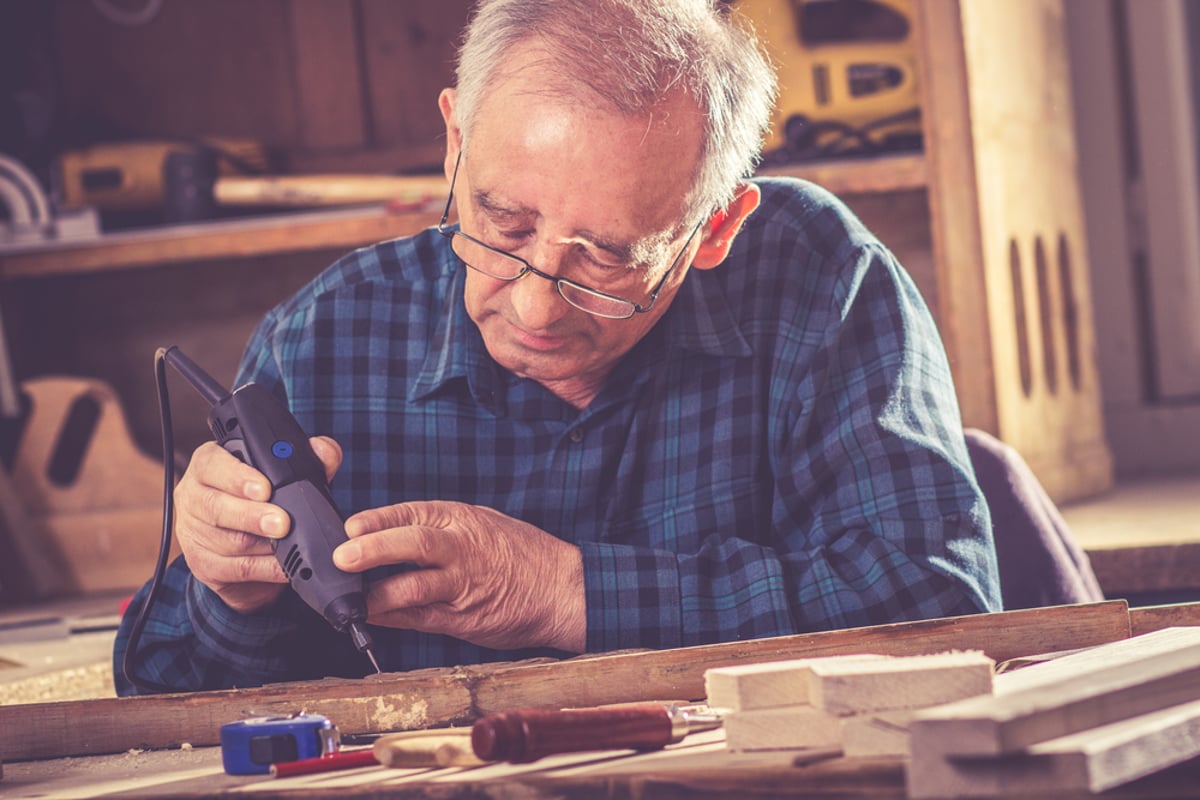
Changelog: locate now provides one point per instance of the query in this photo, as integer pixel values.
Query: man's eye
(592, 261)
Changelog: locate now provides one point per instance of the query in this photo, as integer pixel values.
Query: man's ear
(447, 101)
(720, 231)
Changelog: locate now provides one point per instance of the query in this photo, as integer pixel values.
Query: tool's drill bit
(363, 642)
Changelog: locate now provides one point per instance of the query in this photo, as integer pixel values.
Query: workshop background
(1034, 164)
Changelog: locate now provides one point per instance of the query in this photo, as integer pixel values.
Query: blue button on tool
(282, 449)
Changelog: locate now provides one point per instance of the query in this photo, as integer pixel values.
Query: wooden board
(432, 698)
(1064, 696)
(786, 727)
(1093, 760)
(763, 685)
(915, 682)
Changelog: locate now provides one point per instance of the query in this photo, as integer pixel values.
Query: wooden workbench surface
(164, 746)
(1143, 536)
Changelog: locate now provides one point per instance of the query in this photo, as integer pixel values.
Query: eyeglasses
(504, 266)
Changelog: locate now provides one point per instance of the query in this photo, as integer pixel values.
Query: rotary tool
(252, 424)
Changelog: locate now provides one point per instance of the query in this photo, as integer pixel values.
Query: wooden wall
(326, 83)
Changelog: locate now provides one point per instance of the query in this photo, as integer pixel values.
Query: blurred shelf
(348, 228)
(889, 173)
(343, 228)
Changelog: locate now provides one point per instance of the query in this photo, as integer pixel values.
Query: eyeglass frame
(526, 267)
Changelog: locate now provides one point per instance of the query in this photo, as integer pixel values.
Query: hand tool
(252, 424)
(437, 747)
(526, 735)
(250, 746)
(847, 75)
(344, 759)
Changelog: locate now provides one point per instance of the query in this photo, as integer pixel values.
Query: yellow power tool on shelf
(847, 76)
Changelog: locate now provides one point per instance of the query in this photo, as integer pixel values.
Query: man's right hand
(223, 524)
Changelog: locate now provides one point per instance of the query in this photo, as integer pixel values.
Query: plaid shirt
(781, 453)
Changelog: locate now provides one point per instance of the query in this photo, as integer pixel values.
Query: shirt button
(576, 435)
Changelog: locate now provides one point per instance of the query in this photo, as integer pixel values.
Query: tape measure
(251, 746)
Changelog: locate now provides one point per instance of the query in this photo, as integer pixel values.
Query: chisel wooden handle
(432, 748)
(529, 734)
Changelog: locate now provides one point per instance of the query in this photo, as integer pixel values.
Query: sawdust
(87, 682)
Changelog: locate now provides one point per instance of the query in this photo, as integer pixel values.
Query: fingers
(406, 544)
(220, 491)
(430, 514)
(221, 518)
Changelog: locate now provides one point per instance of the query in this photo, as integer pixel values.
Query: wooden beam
(434, 698)
(1147, 619)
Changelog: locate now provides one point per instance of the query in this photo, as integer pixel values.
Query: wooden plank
(328, 81)
(218, 68)
(431, 698)
(843, 688)
(281, 233)
(1093, 760)
(954, 209)
(767, 685)
(1064, 696)
(877, 733)
(409, 52)
(786, 727)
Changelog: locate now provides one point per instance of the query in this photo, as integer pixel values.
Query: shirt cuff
(633, 598)
(242, 639)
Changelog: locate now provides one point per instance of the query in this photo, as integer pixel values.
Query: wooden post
(1014, 293)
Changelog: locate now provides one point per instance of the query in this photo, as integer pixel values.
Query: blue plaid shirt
(781, 453)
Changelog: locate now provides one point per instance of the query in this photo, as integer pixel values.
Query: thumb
(330, 453)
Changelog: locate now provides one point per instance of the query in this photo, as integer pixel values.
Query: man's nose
(535, 298)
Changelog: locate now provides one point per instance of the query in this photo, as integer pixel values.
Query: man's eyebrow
(623, 251)
(496, 208)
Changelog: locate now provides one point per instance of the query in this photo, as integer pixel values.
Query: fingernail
(274, 524)
(255, 490)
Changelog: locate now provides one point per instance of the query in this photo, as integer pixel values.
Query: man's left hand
(484, 577)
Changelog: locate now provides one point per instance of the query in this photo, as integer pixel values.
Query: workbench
(698, 767)
(165, 746)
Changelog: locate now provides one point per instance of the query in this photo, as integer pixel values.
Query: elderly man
(632, 399)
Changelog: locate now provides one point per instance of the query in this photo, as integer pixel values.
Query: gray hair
(632, 54)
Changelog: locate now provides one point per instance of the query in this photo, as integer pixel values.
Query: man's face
(581, 194)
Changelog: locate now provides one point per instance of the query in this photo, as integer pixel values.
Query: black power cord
(164, 547)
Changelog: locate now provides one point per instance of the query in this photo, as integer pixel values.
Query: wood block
(849, 687)
(767, 685)
(786, 727)
(1074, 693)
(1089, 761)
(877, 733)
